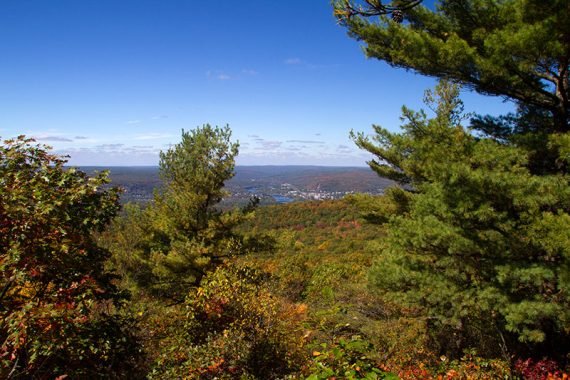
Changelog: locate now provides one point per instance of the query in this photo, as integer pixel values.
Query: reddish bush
(544, 369)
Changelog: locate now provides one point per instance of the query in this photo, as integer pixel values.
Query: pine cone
(398, 16)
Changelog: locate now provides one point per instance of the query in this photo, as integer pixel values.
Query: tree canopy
(58, 303)
(480, 244)
(477, 235)
(194, 172)
(185, 233)
(517, 49)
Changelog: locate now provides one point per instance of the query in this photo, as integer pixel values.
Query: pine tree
(478, 234)
(478, 244)
(518, 49)
(184, 233)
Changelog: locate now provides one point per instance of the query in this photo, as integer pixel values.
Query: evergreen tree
(194, 173)
(184, 234)
(478, 239)
(480, 245)
(518, 49)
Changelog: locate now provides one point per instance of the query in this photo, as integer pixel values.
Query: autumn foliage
(58, 306)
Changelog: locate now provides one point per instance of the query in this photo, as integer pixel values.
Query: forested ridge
(460, 271)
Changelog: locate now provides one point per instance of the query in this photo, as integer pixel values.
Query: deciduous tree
(58, 304)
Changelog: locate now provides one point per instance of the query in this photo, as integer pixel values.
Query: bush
(234, 328)
(57, 303)
(346, 359)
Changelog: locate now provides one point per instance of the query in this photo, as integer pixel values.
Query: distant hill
(312, 178)
(294, 182)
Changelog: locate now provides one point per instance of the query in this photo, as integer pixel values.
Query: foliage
(415, 156)
(234, 329)
(478, 240)
(183, 234)
(127, 238)
(480, 245)
(540, 370)
(194, 172)
(328, 275)
(346, 359)
(514, 48)
(473, 367)
(346, 9)
(57, 303)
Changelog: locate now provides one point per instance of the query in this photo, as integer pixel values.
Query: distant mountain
(312, 178)
(293, 182)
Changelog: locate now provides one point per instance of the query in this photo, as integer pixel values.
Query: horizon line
(259, 165)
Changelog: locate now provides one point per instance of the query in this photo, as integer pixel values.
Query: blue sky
(113, 82)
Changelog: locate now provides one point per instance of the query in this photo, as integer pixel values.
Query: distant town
(271, 184)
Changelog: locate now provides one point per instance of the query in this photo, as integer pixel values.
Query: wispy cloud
(152, 136)
(217, 74)
(270, 145)
(109, 146)
(133, 122)
(54, 138)
(81, 137)
(225, 76)
(111, 154)
(263, 144)
(292, 61)
(305, 142)
(344, 149)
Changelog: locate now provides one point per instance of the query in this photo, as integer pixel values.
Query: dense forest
(460, 271)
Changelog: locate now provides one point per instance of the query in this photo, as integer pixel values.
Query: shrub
(346, 359)
(57, 303)
(234, 328)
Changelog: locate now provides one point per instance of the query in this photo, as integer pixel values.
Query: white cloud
(268, 144)
(133, 122)
(119, 156)
(152, 136)
(305, 141)
(345, 149)
(292, 61)
(109, 146)
(220, 75)
(54, 138)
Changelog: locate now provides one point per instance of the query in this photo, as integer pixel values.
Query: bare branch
(346, 9)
